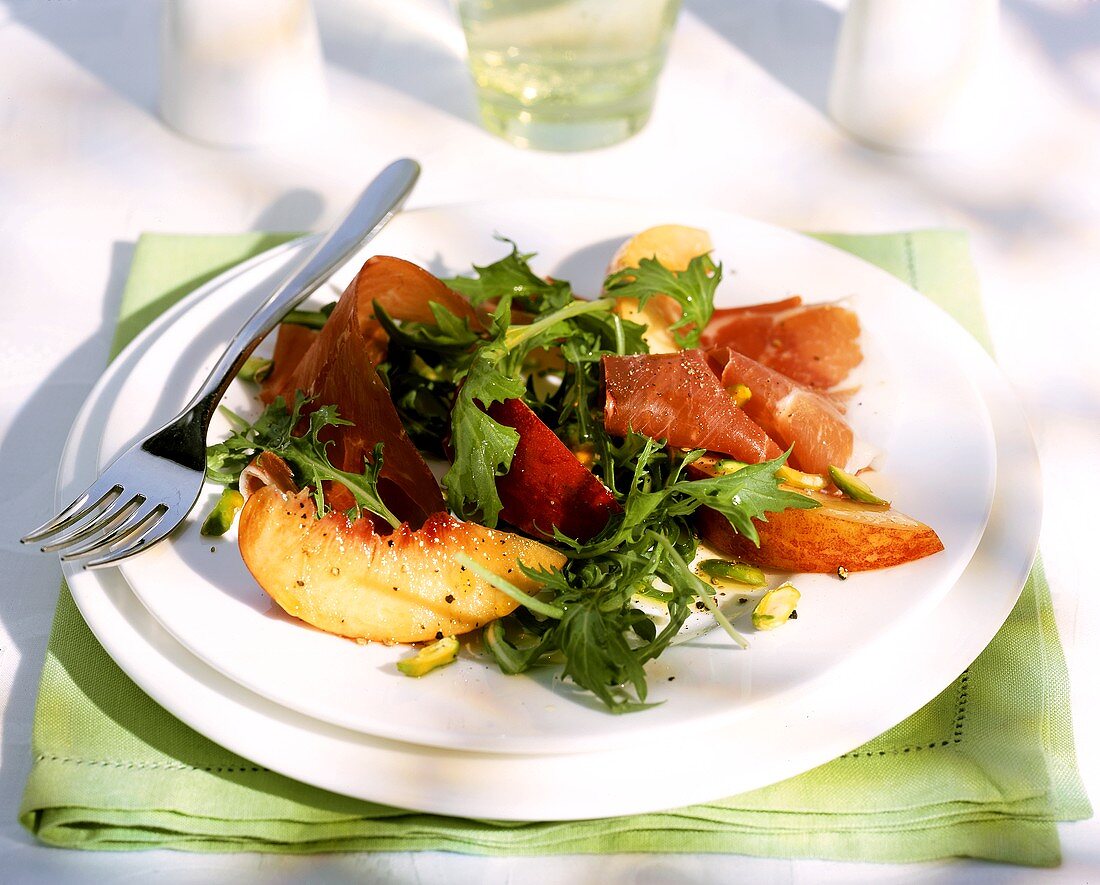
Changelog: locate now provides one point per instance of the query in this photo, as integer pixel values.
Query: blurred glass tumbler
(566, 74)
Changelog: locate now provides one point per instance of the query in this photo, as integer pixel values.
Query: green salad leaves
(586, 618)
(449, 368)
(588, 611)
(693, 289)
(277, 430)
(534, 339)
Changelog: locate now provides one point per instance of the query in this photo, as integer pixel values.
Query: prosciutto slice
(291, 344)
(677, 397)
(793, 415)
(405, 292)
(816, 345)
(338, 366)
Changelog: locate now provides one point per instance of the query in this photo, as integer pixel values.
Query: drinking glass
(566, 74)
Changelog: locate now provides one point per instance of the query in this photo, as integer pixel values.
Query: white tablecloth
(86, 166)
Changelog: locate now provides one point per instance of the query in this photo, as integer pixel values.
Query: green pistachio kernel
(437, 654)
(775, 607)
(800, 480)
(854, 487)
(221, 517)
(738, 572)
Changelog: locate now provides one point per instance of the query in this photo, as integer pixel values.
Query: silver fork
(148, 490)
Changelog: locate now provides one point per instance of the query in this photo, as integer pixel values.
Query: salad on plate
(565, 481)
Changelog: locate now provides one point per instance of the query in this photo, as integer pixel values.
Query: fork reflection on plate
(149, 489)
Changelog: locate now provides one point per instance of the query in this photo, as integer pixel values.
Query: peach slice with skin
(344, 577)
(839, 534)
(546, 486)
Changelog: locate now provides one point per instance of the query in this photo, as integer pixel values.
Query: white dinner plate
(778, 739)
(918, 403)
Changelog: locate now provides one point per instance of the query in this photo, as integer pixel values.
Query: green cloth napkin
(982, 771)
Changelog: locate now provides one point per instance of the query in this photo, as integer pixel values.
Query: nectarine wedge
(546, 486)
(674, 245)
(343, 577)
(839, 533)
(859, 537)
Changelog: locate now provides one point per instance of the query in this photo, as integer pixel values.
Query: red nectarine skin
(547, 486)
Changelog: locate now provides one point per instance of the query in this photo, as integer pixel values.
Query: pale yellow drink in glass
(566, 74)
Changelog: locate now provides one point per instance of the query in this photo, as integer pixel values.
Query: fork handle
(378, 203)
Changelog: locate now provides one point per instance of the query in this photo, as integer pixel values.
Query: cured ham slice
(817, 345)
(765, 309)
(547, 487)
(266, 469)
(339, 368)
(678, 398)
(291, 344)
(405, 292)
(792, 415)
(746, 329)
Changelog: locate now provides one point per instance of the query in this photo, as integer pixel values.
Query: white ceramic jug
(240, 73)
(909, 74)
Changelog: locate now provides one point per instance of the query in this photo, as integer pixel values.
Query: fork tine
(120, 508)
(132, 523)
(98, 493)
(158, 531)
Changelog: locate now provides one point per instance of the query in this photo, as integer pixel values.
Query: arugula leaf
(448, 334)
(588, 606)
(510, 658)
(226, 460)
(693, 289)
(684, 581)
(483, 448)
(273, 432)
(754, 493)
(308, 455)
(512, 276)
(450, 366)
(598, 657)
(423, 395)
